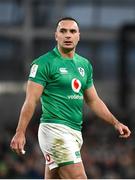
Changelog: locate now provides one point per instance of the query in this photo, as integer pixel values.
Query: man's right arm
(33, 93)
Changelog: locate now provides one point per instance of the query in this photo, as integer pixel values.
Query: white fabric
(60, 144)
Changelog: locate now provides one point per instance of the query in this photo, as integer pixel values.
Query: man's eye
(62, 30)
(73, 31)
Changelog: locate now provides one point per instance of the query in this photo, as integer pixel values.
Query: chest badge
(81, 71)
(76, 85)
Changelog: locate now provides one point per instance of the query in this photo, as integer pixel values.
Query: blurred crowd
(105, 155)
(28, 166)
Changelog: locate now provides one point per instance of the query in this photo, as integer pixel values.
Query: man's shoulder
(82, 59)
(44, 58)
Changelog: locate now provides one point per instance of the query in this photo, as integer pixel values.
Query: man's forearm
(25, 116)
(101, 110)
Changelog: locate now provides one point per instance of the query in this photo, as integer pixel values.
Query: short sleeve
(39, 73)
(89, 82)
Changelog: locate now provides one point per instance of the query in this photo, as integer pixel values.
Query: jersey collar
(58, 54)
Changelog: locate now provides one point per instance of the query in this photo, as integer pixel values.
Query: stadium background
(107, 38)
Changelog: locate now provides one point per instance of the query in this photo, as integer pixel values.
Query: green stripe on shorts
(65, 163)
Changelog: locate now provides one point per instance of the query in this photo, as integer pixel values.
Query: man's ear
(56, 36)
(79, 37)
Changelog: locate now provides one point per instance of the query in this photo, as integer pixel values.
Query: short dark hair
(66, 19)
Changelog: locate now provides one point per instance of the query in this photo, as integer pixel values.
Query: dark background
(108, 40)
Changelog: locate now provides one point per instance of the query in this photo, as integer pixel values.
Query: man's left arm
(100, 109)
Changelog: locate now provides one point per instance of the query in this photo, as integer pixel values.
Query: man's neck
(66, 53)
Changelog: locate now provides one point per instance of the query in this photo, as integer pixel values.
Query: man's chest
(67, 75)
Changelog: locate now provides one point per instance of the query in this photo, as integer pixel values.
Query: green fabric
(66, 163)
(64, 82)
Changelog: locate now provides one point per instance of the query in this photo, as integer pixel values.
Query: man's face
(67, 34)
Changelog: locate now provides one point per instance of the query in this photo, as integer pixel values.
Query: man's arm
(33, 93)
(100, 109)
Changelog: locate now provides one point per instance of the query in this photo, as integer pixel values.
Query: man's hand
(123, 130)
(18, 142)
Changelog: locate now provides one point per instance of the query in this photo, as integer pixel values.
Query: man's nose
(68, 35)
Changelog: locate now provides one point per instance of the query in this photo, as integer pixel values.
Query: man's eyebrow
(63, 29)
(73, 29)
(68, 29)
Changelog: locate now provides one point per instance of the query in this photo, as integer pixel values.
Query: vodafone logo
(76, 85)
(48, 158)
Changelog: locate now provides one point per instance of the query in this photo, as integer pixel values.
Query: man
(62, 79)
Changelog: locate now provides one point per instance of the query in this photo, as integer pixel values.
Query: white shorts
(60, 144)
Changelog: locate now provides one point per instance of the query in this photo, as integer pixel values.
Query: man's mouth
(68, 42)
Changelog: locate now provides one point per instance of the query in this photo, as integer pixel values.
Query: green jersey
(64, 81)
